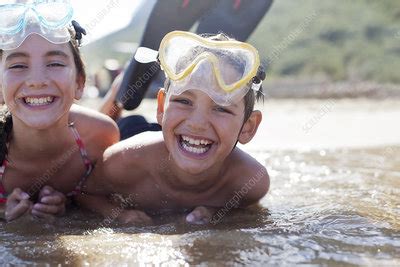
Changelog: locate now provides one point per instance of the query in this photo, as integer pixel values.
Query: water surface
(325, 207)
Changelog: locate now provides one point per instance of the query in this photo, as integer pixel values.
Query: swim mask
(48, 18)
(222, 69)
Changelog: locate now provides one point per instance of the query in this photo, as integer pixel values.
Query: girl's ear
(80, 82)
(250, 127)
(160, 105)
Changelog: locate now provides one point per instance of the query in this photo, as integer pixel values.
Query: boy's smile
(193, 146)
(199, 134)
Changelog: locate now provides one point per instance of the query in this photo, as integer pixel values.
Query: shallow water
(325, 207)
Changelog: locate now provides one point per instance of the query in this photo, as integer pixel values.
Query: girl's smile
(40, 82)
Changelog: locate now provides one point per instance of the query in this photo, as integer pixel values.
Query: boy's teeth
(38, 101)
(195, 150)
(195, 141)
(197, 146)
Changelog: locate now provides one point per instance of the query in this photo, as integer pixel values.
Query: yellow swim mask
(222, 69)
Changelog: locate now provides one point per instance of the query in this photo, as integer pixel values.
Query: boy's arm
(111, 176)
(253, 186)
(96, 203)
(111, 211)
(244, 190)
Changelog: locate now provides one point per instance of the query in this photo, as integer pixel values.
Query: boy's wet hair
(251, 96)
(5, 114)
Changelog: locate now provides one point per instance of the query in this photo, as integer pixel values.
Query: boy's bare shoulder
(133, 156)
(248, 176)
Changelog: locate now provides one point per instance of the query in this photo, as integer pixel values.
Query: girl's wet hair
(5, 115)
(252, 96)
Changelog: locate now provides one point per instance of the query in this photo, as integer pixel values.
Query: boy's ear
(160, 105)
(250, 127)
(80, 82)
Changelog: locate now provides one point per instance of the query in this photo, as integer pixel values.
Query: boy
(204, 110)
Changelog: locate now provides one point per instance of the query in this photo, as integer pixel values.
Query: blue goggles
(48, 18)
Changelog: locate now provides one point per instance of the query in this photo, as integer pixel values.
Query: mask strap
(146, 55)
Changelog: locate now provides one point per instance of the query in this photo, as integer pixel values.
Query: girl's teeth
(39, 101)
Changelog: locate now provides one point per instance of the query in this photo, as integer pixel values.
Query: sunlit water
(325, 207)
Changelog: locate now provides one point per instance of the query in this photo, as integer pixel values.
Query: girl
(48, 145)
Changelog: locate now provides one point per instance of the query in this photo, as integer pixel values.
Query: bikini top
(86, 161)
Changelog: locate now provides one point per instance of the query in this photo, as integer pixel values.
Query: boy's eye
(222, 109)
(181, 101)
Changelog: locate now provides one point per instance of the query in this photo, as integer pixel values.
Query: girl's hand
(18, 204)
(50, 203)
(200, 215)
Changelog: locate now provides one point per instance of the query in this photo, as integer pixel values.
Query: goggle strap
(256, 86)
(146, 55)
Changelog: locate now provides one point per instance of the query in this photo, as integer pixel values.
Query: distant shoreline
(314, 89)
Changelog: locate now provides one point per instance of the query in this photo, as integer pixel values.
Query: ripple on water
(327, 207)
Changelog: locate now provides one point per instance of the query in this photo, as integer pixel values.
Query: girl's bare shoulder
(98, 131)
(90, 119)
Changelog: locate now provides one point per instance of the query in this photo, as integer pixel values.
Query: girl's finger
(48, 209)
(18, 210)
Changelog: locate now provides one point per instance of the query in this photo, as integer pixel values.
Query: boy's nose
(36, 79)
(198, 120)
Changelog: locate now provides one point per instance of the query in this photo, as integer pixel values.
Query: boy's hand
(200, 215)
(50, 203)
(134, 217)
(18, 204)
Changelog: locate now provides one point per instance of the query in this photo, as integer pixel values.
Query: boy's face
(198, 133)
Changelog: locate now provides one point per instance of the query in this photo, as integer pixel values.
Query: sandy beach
(292, 124)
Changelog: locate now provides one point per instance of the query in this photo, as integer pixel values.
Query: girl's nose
(36, 79)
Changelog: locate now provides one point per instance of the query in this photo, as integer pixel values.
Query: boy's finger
(144, 218)
(19, 210)
(200, 215)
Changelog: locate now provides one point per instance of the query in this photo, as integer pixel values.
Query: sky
(101, 17)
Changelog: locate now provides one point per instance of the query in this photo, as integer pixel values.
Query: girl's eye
(17, 66)
(56, 64)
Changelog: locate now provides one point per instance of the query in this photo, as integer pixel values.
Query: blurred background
(312, 48)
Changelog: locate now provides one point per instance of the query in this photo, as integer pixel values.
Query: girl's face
(39, 82)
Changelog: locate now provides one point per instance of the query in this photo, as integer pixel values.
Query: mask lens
(54, 14)
(11, 18)
(230, 63)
